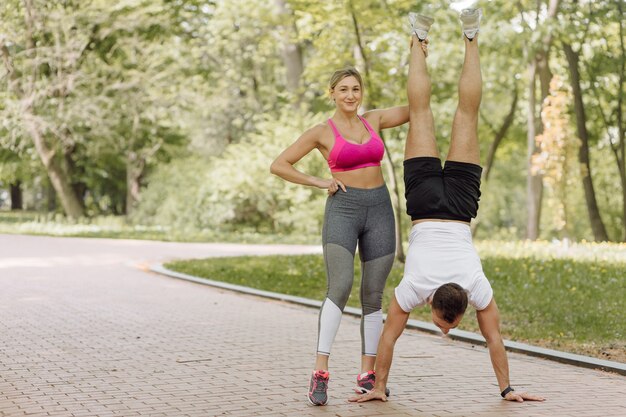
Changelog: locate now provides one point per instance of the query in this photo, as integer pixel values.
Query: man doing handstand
(442, 267)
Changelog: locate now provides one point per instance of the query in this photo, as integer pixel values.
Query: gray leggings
(363, 216)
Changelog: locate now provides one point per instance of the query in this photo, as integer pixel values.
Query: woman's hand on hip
(333, 185)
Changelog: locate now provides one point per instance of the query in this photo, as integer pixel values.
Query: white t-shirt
(440, 253)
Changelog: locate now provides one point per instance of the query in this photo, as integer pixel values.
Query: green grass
(116, 227)
(561, 303)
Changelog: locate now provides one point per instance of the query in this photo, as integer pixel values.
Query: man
(442, 267)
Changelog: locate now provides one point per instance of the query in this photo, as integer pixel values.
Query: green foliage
(236, 190)
(180, 93)
(502, 213)
(240, 62)
(594, 32)
(102, 84)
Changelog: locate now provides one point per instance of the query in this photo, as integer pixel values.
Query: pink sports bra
(348, 156)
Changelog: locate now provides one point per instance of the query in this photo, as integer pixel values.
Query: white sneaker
(420, 25)
(470, 21)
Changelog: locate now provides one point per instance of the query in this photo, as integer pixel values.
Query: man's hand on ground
(372, 395)
(522, 396)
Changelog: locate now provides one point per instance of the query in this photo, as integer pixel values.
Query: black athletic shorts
(451, 193)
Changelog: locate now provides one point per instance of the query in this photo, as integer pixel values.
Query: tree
(538, 56)
(291, 49)
(597, 226)
(88, 80)
(559, 148)
(41, 56)
(596, 58)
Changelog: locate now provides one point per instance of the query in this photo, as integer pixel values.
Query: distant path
(85, 331)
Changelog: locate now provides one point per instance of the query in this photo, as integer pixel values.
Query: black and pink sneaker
(319, 385)
(365, 383)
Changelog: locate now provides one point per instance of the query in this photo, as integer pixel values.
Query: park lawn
(117, 227)
(563, 304)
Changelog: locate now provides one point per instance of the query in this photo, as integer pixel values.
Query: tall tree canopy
(170, 111)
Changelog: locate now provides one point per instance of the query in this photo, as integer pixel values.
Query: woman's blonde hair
(343, 73)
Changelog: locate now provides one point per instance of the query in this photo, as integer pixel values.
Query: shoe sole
(473, 30)
(426, 20)
(313, 404)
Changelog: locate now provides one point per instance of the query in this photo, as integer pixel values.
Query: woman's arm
(283, 165)
(388, 118)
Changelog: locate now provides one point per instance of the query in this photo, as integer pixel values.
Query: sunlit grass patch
(55, 225)
(576, 251)
(117, 227)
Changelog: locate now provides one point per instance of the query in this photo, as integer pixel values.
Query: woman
(358, 211)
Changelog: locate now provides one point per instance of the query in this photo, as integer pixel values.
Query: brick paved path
(85, 332)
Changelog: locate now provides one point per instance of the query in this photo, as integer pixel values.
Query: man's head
(448, 305)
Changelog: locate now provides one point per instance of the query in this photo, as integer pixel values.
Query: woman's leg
(377, 250)
(339, 238)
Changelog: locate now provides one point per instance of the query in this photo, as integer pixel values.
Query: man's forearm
(489, 323)
(500, 362)
(394, 325)
(383, 362)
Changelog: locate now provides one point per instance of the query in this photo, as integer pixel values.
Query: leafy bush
(236, 189)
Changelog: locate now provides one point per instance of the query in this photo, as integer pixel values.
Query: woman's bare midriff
(370, 177)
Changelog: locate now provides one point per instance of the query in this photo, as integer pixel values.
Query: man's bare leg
(421, 137)
(464, 143)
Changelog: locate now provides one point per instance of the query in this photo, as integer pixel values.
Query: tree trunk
(621, 126)
(500, 134)
(51, 198)
(597, 226)
(292, 51)
(395, 199)
(539, 69)
(58, 177)
(16, 195)
(134, 172)
(538, 66)
(80, 187)
(534, 184)
(618, 145)
(545, 77)
(622, 177)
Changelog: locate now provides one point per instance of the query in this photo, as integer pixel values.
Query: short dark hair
(450, 300)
